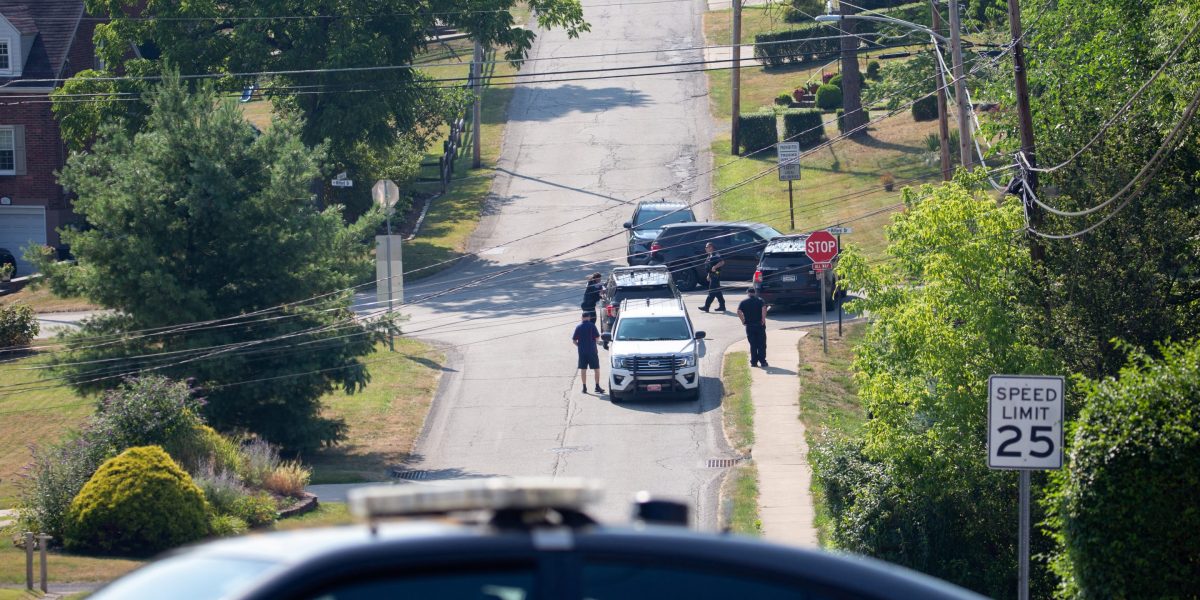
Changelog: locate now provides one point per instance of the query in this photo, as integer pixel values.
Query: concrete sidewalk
(780, 451)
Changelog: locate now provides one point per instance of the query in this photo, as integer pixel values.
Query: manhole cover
(721, 463)
(409, 475)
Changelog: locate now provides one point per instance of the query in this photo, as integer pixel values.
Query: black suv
(648, 220)
(624, 283)
(681, 248)
(785, 274)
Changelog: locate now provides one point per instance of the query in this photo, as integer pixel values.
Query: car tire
(686, 280)
(614, 397)
(693, 395)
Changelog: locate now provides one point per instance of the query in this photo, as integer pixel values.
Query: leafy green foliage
(829, 97)
(227, 526)
(915, 489)
(199, 217)
(873, 70)
(783, 99)
(926, 108)
(836, 80)
(138, 503)
(18, 325)
(795, 45)
(757, 131)
(256, 510)
(806, 126)
(1124, 509)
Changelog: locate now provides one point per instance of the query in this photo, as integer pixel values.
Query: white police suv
(654, 351)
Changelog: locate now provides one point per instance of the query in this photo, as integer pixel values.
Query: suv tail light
(655, 246)
(611, 310)
(758, 277)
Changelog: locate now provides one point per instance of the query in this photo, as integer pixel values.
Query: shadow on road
(549, 103)
(710, 398)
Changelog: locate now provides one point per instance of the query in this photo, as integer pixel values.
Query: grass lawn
(385, 418)
(44, 301)
(327, 514)
(62, 567)
(740, 491)
(829, 404)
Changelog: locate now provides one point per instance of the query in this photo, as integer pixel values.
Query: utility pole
(476, 110)
(943, 121)
(960, 85)
(736, 74)
(1025, 124)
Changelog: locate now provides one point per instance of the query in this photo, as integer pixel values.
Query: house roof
(54, 22)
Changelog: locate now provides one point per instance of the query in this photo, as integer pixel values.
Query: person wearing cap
(753, 313)
(591, 295)
(712, 266)
(585, 338)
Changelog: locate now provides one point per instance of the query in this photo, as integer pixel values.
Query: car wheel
(686, 280)
(693, 395)
(614, 397)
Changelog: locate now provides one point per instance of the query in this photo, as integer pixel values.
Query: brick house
(41, 43)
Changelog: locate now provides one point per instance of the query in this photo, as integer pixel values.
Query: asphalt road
(509, 401)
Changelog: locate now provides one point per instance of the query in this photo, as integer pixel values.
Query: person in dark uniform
(712, 267)
(584, 339)
(591, 295)
(753, 313)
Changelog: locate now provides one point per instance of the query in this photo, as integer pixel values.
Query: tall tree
(199, 218)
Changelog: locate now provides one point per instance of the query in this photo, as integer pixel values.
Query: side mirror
(699, 335)
(606, 337)
(627, 225)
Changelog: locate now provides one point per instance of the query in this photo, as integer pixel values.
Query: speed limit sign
(1025, 422)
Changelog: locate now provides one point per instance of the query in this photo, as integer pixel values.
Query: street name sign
(789, 160)
(839, 230)
(340, 181)
(822, 266)
(1025, 422)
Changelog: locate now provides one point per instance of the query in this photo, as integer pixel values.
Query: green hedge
(1125, 505)
(925, 109)
(841, 122)
(805, 126)
(757, 131)
(795, 46)
(829, 97)
(138, 503)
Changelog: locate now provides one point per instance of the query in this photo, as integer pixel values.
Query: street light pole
(960, 85)
(736, 76)
(943, 122)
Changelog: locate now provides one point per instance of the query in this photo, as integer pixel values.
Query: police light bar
(494, 494)
(654, 275)
(789, 243)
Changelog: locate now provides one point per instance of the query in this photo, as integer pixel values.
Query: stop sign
(821, 247)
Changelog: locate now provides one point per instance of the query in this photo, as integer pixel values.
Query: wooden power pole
(737, 77)
(943, 121)
(1025, 124)
(960, 88)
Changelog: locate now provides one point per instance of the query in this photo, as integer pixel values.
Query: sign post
(838, 231)
(789, 170)
(386, 193)
(1025, 432)
(822, 248)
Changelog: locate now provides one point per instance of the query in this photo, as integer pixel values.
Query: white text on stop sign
(821, 247)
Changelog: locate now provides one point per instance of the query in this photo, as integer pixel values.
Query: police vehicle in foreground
(654, 351)
(512, 539)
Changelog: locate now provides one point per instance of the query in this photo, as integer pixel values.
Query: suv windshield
(653, 328)
(766, 232)
(655, 218)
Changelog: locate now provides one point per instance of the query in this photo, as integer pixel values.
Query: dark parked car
(7, 258)
(625, 283)
(681, 248)
(512, 540)
(648, 220)
(785, 274)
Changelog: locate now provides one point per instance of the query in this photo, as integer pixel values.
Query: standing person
(753, 313)
(585, 340)
(712, 267)
(591, 295)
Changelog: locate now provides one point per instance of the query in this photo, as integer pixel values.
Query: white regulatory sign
(789, 160)
(1025, 422)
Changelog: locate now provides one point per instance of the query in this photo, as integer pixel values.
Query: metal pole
(387, 242)
(29, 561)
(476, 109)
(1023, 543)
(943, 121)
(43, 541)
(824, 337)
(960, 85)
(791, 205)
(1025, 123)
(840, 301)
(736, 75)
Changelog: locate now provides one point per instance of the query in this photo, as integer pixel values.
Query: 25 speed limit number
(1025, 429)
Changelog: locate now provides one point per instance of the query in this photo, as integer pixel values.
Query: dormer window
(5, 56)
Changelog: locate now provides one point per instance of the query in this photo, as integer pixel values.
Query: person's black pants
(757, 336)
(714, 293)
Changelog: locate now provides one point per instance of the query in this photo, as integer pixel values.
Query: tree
(198, 218)
(316, 50)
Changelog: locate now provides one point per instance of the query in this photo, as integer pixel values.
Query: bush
(18, 325)
(205, 450)
(137, 504)
(841, 121)
(757, 131)
(1125, 503)
(829, 97)
(227, 526)
(783, 99)
(54, 478)
(288, 479)
(222, 489)
(146, 411)
(259, 460)
(794, 46)
(806, 126)
(873, 70)
(925, 109)
(256, 510)
(836, 80)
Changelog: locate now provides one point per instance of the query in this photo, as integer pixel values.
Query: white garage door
(21, 226)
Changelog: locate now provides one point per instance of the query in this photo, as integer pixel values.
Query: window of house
(8, 151)
(5, 56)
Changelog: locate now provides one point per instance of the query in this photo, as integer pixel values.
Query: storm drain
(409, 475)
(721, 463)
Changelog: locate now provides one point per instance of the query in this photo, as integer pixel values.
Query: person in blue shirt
(585, 340)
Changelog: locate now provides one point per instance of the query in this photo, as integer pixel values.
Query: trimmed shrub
(783, 99)
(256, 510)
(925, 109)
(873, 70)
(829, 97)
(1125, 504)
(18, 325)
(794, 46)
(836, 80)
(806, 126)
(146, 411)
(757, 131)
(841, 121)
(227, 526)
(288, 479)
(138, 503)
